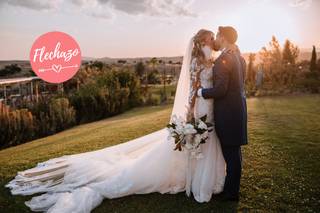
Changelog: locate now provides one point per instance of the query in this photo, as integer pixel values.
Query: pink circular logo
(55, 57)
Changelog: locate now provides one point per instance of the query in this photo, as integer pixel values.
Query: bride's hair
(198, 43)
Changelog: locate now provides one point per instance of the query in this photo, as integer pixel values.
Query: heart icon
(56, 68)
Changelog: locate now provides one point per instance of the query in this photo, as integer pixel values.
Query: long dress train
(78, 183)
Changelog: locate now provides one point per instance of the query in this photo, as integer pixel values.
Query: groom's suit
(230, 113)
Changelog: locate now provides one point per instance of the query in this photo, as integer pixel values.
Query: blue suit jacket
(228, 92)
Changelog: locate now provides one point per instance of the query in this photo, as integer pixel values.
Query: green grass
(281, 169)
(157, 88)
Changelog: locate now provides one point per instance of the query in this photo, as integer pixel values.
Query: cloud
(93, 8)
(257, 1)
(304, 4)
(162, 8)
(107, 8)
(33, 4)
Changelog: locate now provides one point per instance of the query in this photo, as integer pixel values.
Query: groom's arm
(222, 78)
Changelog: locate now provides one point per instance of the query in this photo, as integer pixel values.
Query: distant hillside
(25, 66)
(305, 54)
(174, 59)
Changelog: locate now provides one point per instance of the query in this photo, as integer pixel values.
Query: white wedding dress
(79, 183)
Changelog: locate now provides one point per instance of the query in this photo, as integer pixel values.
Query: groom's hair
(229, 33)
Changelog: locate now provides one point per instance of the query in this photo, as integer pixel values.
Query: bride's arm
(194, 85)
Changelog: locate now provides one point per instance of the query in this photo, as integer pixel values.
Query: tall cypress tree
(313, 62)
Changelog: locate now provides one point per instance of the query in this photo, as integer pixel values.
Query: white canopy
(17, 80)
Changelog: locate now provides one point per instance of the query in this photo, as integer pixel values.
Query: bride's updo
(199, 42)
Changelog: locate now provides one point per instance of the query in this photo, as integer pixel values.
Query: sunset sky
(134, 28)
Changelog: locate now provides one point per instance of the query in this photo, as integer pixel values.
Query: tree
(271, 59)
(313, 62)
(140, 69)
(279, 63)
(265, 56)
(275, 51)
(290, 53)
(122, 61)
(250, 71)
(96, 64)
(289, 58)
(164, 79)
(10, 70)
(153, 62)
(153, 77)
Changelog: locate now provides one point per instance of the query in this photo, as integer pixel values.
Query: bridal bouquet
(189, 135)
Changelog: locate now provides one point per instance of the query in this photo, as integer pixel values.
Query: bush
(52, 115)
(311, 84)
(10, 70)
(111, 93)
(61, 114)
(152, 100)
(163, 96)
(16, 126)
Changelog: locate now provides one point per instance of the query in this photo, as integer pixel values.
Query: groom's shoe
(223, 197)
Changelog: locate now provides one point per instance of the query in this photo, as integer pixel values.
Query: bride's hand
(198, 85)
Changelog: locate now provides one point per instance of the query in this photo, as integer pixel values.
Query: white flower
(188, 141)
(199, 155)
(202, 125)
(174, 118)
(205, 134)
(188, 146)
(179, 129)
(171, 130)
(189, 129)
(179, 121)
(197, 139)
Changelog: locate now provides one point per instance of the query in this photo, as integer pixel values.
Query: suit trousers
(233, 158)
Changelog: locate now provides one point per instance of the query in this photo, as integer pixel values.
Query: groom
(230, 110)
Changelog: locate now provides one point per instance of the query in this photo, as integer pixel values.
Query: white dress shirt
(199, 92)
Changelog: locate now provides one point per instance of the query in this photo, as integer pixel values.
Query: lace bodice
(204, 106)
(206, 74)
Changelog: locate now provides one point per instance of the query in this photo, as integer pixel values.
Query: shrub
(152, 100)
(52, 115)
(108, 93)
(111, 93)
(61, 114)
(312, 85)
(16, 126)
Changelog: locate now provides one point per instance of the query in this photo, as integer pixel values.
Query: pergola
(25, 80)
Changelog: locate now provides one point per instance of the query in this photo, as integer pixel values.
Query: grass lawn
(281, 171)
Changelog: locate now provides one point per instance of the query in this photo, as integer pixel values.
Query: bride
(79, 182)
